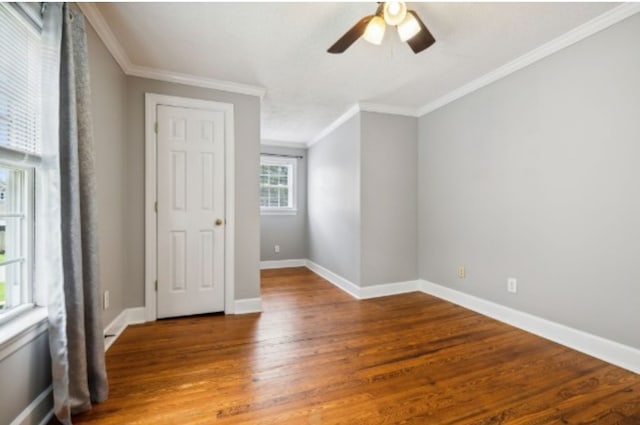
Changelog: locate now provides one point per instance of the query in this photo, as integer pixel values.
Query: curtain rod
(281, 155)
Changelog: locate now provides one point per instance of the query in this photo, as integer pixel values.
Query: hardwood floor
(317, 356)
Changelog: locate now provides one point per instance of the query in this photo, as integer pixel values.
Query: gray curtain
(87, 377)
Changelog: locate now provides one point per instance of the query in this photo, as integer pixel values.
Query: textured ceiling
(282, 47)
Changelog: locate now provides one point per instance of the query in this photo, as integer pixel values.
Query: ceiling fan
(372, 28)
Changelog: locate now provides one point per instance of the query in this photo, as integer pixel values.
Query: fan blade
(350, 36)
(421, 40)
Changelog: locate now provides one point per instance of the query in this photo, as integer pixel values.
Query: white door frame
(152, 100)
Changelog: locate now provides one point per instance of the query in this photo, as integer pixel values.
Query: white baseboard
(113, 330)
(136, 315)
(386, 289)
(32, 413)
(337, 280)
(612, 352)
(248, 305)
(363, 292)
(128, 316)
(281, 264)
(601, 348)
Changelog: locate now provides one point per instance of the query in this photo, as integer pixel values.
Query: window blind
(20, 82)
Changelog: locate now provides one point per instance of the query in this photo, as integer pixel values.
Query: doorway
(189, 203)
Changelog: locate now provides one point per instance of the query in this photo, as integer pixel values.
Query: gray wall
(26, 373)
(118, 107)
(109, 108)
(333, 176)
(362, 199)
(536, 177)
(247, 152)
(389, 207)
(288, 231)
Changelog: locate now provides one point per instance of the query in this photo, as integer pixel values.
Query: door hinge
(155, 206)
(155, 127)
(156, 285)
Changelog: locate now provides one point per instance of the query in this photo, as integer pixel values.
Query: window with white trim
(20, 149)
(16, 235)
(277, 185)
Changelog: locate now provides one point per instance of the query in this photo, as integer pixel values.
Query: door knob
(218, 221)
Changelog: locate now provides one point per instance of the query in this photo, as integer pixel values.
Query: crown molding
(193, 80)
(97, 21)
(352, 111)
(283, 144)
(93, 14)
(406, 111)
(581, 32)
(599, 23)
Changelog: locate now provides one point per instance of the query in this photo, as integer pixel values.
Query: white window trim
(24, 323)
(27, 233)
(278, 211)
(293, 162)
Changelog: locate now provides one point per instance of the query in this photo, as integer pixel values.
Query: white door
(190, 211)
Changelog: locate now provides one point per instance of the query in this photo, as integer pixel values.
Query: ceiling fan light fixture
(394, 12)
(409, 27)
(374, 33)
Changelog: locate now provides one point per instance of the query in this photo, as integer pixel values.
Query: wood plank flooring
(317, 356)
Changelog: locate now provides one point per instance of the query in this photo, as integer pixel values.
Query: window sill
(22, 329)
(278, 212)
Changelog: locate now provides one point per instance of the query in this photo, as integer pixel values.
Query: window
(20, 149)
(20, 81)
(16, 235)
(277, 185)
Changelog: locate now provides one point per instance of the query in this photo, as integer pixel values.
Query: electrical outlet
(105, 300)
(276, 248)
(512, 285)
(462, 272)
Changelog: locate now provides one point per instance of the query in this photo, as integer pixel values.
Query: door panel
(190, 200)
